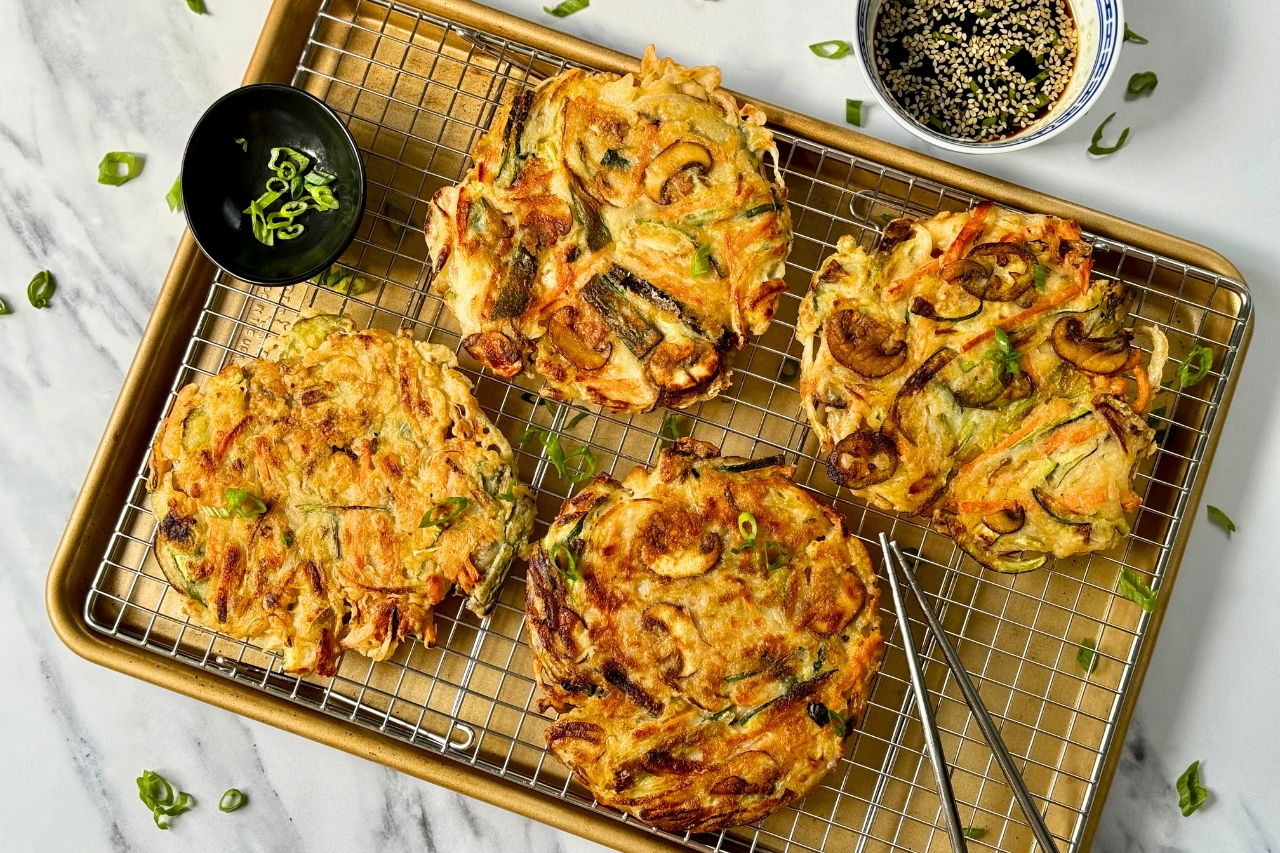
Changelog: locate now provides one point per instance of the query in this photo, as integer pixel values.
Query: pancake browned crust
(700, 688)
(972, 364)
(620, 236)
(289, 493)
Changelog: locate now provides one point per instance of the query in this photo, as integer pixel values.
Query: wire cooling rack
(416, 92)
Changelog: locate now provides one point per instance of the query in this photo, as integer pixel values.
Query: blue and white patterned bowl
(1101, 27)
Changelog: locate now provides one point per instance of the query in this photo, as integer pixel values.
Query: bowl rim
(862, 8)
(332, 258)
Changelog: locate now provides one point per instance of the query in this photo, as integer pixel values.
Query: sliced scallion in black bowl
(227, 164)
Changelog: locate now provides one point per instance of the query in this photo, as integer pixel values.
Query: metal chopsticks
(895, 561)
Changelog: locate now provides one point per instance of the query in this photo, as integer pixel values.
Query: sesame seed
(976, 69)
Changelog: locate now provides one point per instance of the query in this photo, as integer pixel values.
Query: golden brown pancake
(291, 493)
(972, 365)
(619, 235)
(703, 680)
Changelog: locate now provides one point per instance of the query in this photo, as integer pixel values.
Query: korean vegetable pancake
(326, 496)
(972, 365)
(619, 235)
(707, 664)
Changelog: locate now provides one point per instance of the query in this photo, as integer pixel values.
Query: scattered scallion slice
(559, 459)
(853, 112)
(1195, 366)
(1087, 656)
(244, 144)
(174, 196)
(398, 225)
(290, 232)
(570, 566)
(301, 161)
(838, 724)
(701, 262)
(567, 8)
(196, 6)
(243, 503)
(318, 177)
(834, 49)
(232, 800)
(434, 518)
(109, 172)
(1134, 588)
(323, 197)
(41, 289)
(1142, 83)
(747, 529)
(775, 556)
(1130, 35)
(1220, 518)
(4, 308)
(157, 794)
(1041, 276)
(343, 280)
(1097, 148)
(669, 432)
(1004, 355)
(974, 832)
(1191, 794)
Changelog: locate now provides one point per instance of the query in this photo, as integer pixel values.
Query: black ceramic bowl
(220, 178)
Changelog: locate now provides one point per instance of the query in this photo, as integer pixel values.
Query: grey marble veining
(83, 77)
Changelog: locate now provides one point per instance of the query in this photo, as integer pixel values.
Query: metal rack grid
(416, 92)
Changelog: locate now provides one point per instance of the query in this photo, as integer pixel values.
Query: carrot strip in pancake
(1016, 319)
(902, 284)
(969, 233)
(1144, 389)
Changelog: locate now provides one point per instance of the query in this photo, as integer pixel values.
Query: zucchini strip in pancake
(619, 235)
(972, 366)
(295, 495)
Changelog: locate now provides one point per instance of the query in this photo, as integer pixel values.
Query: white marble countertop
(81, 79)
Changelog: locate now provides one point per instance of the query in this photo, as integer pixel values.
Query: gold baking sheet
(416, 84)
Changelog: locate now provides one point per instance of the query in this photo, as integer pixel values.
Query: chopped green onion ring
(232, 800)
(1134, 588)
(244, 144)
(287, 171)
(1220, 518)
(1130, 35)
(701, 261)
(4, 308)
(781, 556)
(1097, 148)
(747, 529)
(1195, 366)
(293, 208)
(443, 522)
(41, 289)
(570, 567)
(833, 49)
(300, 160)
(1142, 83)
(853, 112)
(174, 196)
(566, 8)
(319, 178)
(110, 175)
(1087, 656)
(243, 503)
(291, 232)
(1191, 794)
